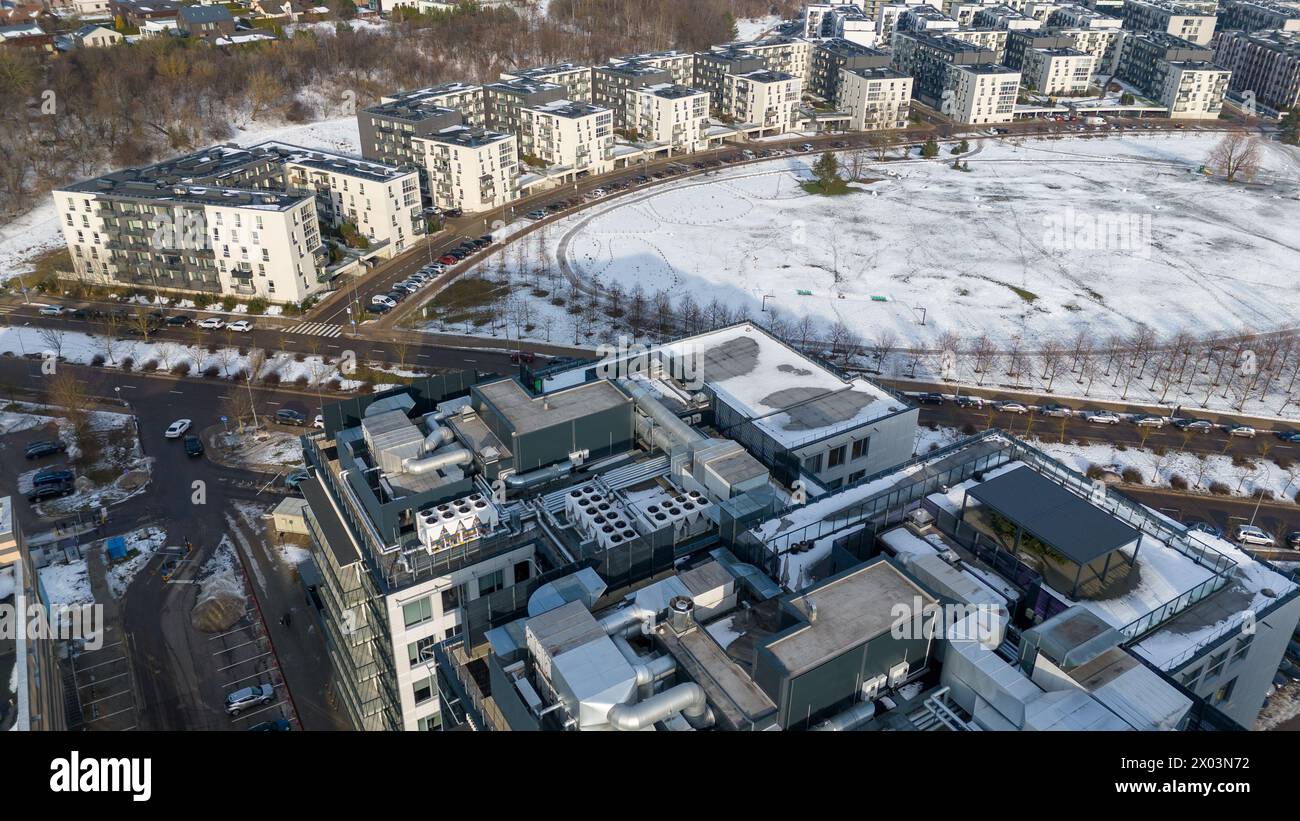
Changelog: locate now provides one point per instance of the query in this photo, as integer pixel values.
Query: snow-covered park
(1041, 238)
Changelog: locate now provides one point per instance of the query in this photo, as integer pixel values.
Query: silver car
(248, 697)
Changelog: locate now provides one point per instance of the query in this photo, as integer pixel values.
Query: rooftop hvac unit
(871, 687)
(920, 517)
(950, 556)
(898, 674)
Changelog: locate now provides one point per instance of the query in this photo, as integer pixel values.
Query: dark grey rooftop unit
(1058, 518)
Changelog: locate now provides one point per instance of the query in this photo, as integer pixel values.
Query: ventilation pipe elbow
(687, 699)
(435, 461)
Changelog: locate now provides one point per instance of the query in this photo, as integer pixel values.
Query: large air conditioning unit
(451, 524)
(598, 517)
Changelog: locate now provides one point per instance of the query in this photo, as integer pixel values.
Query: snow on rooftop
(791, 398)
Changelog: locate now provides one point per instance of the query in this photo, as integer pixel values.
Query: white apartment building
(470, 168)
(1101, 43)
(982, 93)
(875, 98)
(569, 138)
(575, 79)
(765, 100)
(994, 40)
(382, 202)
(1194, 90)
(790, 55)
(1057, 70)
(1184, 21)
(192, 238)
(463, 97)
(671, 115)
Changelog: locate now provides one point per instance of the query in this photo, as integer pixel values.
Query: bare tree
(1236, 155)
(69, 392)
(1052, 357)
(884, 343)
(983, 355)
(53, 339)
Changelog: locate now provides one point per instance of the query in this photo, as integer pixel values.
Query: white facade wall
(874, 102)
(678, 122)
(471, 177)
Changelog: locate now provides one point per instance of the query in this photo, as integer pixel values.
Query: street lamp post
(252, 403)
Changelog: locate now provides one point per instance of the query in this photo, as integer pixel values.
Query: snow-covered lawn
(67, 583)
(266, 448)
(144, 542)
(751, 28)
(970, 252)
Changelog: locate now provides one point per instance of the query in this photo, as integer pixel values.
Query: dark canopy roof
(1058, 518)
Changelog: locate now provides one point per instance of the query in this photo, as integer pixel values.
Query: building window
(421, 651)
(450, 599)
(813, 464)
(522, 572)
(860, 449)
(1216, 664)
(1243, 647)
(491, 583)
(1189, 678)
(836, 457)
(417, 612)
(1223, 693)
(423, 689)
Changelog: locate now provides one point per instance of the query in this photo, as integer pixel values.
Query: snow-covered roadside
(1200, 472)
(144, 543)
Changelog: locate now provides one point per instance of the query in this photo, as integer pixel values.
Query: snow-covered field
(1157, 470)
(1003, 249)
(751, 28)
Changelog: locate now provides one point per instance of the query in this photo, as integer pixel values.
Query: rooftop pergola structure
(1062, 521)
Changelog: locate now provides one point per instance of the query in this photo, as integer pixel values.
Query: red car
(448, 259)
(525, 357)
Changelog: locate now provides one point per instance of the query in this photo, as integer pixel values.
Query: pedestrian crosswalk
(8, 309)
(316, 329)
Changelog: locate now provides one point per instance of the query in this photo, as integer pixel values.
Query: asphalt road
(180, 675)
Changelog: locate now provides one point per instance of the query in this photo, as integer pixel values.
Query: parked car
(930, 398)
(1293, 540)
(1205, 527)
(406, 287)
(50, 310)
(212, 323)
(53, 476)
(1289, 436)
(453, 212)
(45, 447)
(396, 296)
(1057, 411)
(177, 428)
(1101, 417)
(248, 697)
(193, 446)
(526, 357)
(1149, 421)
(969, 402)
(296, 478)
(806, 147)
(1013, 407)
(288, 416)
(49, 491)
(1198, 425)
(80, 313)
(241, 325)
(1245, 431)
(484, 241)
(179, 320)
(279, 725)
(536, 214)
(318, 422)
(380, 299)
(1252, 535)
(378, 308)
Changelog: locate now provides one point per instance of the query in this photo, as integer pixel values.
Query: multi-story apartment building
(1176, 73)
(927, 57)
(982, 94)
(670, 115)
(1102, 43)
(612, 84)
(791, 55)
(1194, 90)
(228, 220)
(383, 202)
(766, 100)
(875, 98)
(572, 139)
(994, 40)
(504, 102)
(831, 57)
(463, 97)
(1081, 17)
(387, 130)
(712, 68)
(679, 64)
(472, 169)
(575, 79)
(925, 18)
(1266, 63)
(1021, 42)
(1181, 20)
(1004, 17)
(1066, 71)
(36, 680)
(1254, 15)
